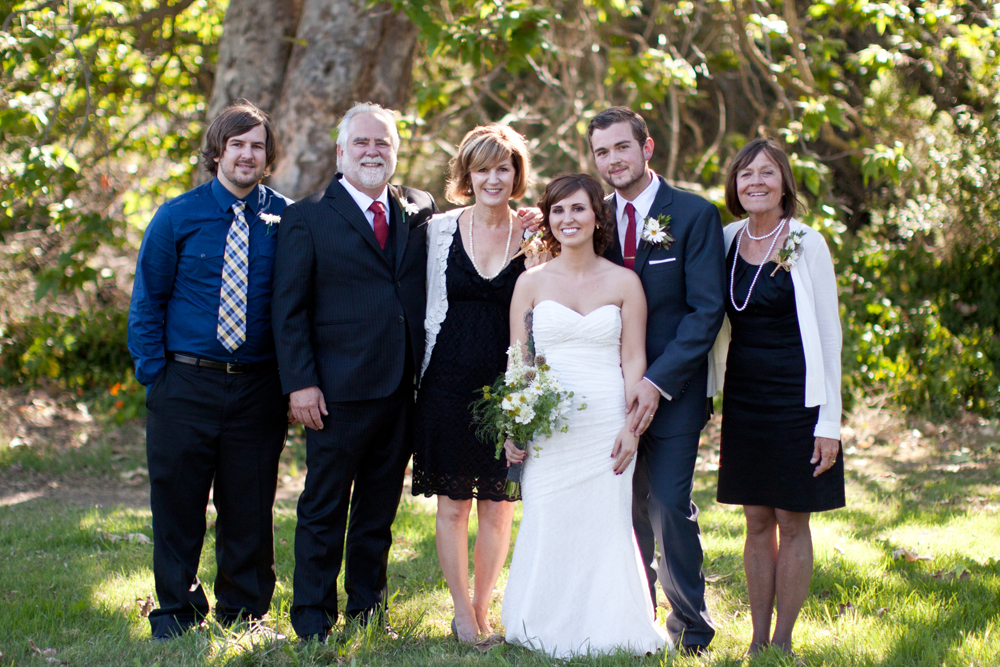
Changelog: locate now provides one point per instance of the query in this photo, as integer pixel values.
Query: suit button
(399, 283)
(401, 319)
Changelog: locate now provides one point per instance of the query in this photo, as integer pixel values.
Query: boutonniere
(789, 253)
(409, 208)
(534, 249)
(270, 219)
(656, 231)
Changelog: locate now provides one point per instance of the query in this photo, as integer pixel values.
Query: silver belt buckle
(229, 369)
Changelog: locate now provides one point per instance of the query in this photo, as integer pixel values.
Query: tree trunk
(344, 52)
(257, 37)
(256, 44)
(306, 62)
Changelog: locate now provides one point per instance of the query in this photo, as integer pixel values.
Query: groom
(348, 314)
(684, 283)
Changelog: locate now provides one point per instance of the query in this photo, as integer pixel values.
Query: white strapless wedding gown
(576, 581)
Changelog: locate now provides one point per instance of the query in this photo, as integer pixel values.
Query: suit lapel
(661, 204)
(343, 203)
(614, 251)
(400, 226)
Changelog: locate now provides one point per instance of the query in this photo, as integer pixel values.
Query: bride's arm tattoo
(529, 354)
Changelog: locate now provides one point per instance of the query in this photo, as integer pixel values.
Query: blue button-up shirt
(178, 278)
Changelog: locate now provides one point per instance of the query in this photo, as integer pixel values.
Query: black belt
(224, 366)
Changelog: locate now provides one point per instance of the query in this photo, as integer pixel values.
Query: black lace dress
(767, 432)
(470, 352)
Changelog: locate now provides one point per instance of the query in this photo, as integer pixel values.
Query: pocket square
(662, 261)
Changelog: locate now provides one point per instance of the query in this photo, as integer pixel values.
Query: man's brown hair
(613, 115)
(238, 118)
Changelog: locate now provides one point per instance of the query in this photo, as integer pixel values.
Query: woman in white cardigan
(779, 356)
(471, 272)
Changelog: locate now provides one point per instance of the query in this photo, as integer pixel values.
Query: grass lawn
(67, 583)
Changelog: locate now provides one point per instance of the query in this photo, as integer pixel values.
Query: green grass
(65, 585)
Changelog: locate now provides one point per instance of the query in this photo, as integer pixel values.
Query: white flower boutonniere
(270, 219)
(409, 207)
(789, 253)
(655, 231)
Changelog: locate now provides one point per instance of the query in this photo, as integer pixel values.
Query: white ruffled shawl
(440, 232)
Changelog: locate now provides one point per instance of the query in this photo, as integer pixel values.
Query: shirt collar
(226, 199)
(364, 201)
(643, 202)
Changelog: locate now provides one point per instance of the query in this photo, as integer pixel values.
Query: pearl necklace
(732, 273)
(765, 236)
(472, 244)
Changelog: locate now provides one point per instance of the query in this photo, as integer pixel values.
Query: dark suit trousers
(663, 512)
(365, 444)
(206, 426)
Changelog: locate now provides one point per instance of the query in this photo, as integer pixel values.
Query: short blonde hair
(484, 147)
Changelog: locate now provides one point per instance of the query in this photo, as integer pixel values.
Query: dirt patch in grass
(53, 447)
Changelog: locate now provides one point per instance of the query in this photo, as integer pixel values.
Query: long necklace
(472, 244)
(732, 273)
(765, 236)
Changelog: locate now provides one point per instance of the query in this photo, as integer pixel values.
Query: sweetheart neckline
(573, 310)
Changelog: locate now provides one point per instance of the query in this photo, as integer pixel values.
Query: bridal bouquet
(523, 404)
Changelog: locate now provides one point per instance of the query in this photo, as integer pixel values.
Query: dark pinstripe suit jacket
(342, 306)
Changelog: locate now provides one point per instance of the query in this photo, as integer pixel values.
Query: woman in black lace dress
(470, 276)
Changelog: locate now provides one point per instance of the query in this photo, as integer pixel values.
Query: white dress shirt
(642, 204)
(364, 201)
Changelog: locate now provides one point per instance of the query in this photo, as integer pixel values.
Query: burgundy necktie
(380, 223)
(628, 252)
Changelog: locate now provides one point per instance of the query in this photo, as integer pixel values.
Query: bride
(576, 583)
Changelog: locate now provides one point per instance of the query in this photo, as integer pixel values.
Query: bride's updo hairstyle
(562, 187)
(482, 148)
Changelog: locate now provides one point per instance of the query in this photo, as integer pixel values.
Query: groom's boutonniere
(655, 231)
(789, 253)
(270, 219)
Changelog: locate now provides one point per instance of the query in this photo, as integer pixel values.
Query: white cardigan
(440, 232)
(819, 325)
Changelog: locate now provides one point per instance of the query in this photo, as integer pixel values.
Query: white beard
(366, 176)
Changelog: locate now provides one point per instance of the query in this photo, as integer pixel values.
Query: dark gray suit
(348, 317)
(684, 287)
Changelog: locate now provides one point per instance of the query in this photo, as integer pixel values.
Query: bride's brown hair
(563, 186)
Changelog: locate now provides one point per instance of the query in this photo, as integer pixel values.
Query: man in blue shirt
(200, 335)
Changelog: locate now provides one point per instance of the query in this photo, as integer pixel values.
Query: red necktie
(628, 252)
(380, 223)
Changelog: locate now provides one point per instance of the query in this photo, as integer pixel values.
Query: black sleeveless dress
(767, 432)
(470, 352)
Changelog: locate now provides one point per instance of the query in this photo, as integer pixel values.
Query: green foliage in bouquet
(522, 404)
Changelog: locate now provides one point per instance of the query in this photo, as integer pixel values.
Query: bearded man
(348, 317)
(199, 331)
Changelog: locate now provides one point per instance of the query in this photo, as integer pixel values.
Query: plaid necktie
(232, 328)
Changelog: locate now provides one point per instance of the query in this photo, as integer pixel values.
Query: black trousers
(206, 426)
(662, 511)
(364, 444)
